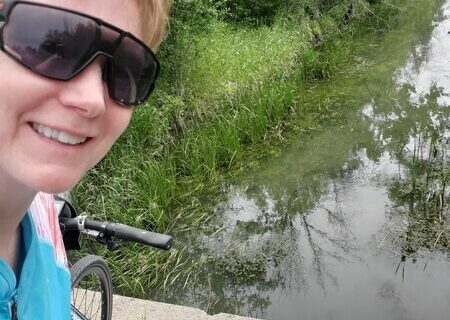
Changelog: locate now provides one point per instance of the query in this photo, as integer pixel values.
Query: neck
(14, 202)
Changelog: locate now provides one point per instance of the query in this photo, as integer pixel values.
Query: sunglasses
(59, 44)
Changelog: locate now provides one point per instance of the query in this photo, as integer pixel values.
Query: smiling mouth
(59, 136)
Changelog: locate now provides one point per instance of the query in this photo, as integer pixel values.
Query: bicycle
(92, 290)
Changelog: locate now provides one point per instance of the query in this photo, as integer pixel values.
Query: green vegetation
(232, 78)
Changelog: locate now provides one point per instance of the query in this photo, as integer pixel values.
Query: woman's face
(74, 110)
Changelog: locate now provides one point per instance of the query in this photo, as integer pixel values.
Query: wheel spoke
(91, 288)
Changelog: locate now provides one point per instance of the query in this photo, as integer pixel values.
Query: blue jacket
(43, 291)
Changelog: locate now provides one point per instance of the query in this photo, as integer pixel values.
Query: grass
(235, 88)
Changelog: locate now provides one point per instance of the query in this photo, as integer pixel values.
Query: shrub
(188, 18)
(194, 15)
(252, 12)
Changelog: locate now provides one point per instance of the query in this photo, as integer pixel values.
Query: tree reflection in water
(420, 195)
(268, 241)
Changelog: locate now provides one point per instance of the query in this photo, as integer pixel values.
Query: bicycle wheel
(91, 289)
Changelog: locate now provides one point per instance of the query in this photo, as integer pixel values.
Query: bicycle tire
(91, 289)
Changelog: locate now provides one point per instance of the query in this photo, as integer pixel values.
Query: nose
(86, 93)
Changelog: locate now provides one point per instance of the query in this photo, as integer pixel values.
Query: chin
(57, 184)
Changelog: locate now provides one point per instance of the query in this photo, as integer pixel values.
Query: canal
(351, 222)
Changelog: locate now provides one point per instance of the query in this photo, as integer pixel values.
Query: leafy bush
(325, 5)
(252, 12)
(192, 15)
(188, 19)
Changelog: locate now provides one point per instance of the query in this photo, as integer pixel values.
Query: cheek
(21, 88)
(120, 120)
(117, 121)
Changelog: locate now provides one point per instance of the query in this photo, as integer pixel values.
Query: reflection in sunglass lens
(54, 48)
(134, 71)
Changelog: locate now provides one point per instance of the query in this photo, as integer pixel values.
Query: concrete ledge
(134, 309)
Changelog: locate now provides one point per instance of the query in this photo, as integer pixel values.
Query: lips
(57, 135)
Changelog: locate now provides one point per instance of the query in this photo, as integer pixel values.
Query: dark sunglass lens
(135, 71)
(51, 42)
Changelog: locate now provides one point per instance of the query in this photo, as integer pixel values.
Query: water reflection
(416, 133)
(352, 224)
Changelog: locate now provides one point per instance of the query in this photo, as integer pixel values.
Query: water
(352, 223)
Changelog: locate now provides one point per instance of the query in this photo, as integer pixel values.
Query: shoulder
(45, 217)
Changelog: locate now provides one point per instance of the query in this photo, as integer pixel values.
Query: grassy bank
(229, 88)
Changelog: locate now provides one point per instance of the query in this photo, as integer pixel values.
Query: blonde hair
(155, 15)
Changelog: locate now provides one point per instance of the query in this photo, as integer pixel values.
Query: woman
(70, 72)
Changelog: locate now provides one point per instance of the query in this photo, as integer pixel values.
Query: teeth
(59, 136)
